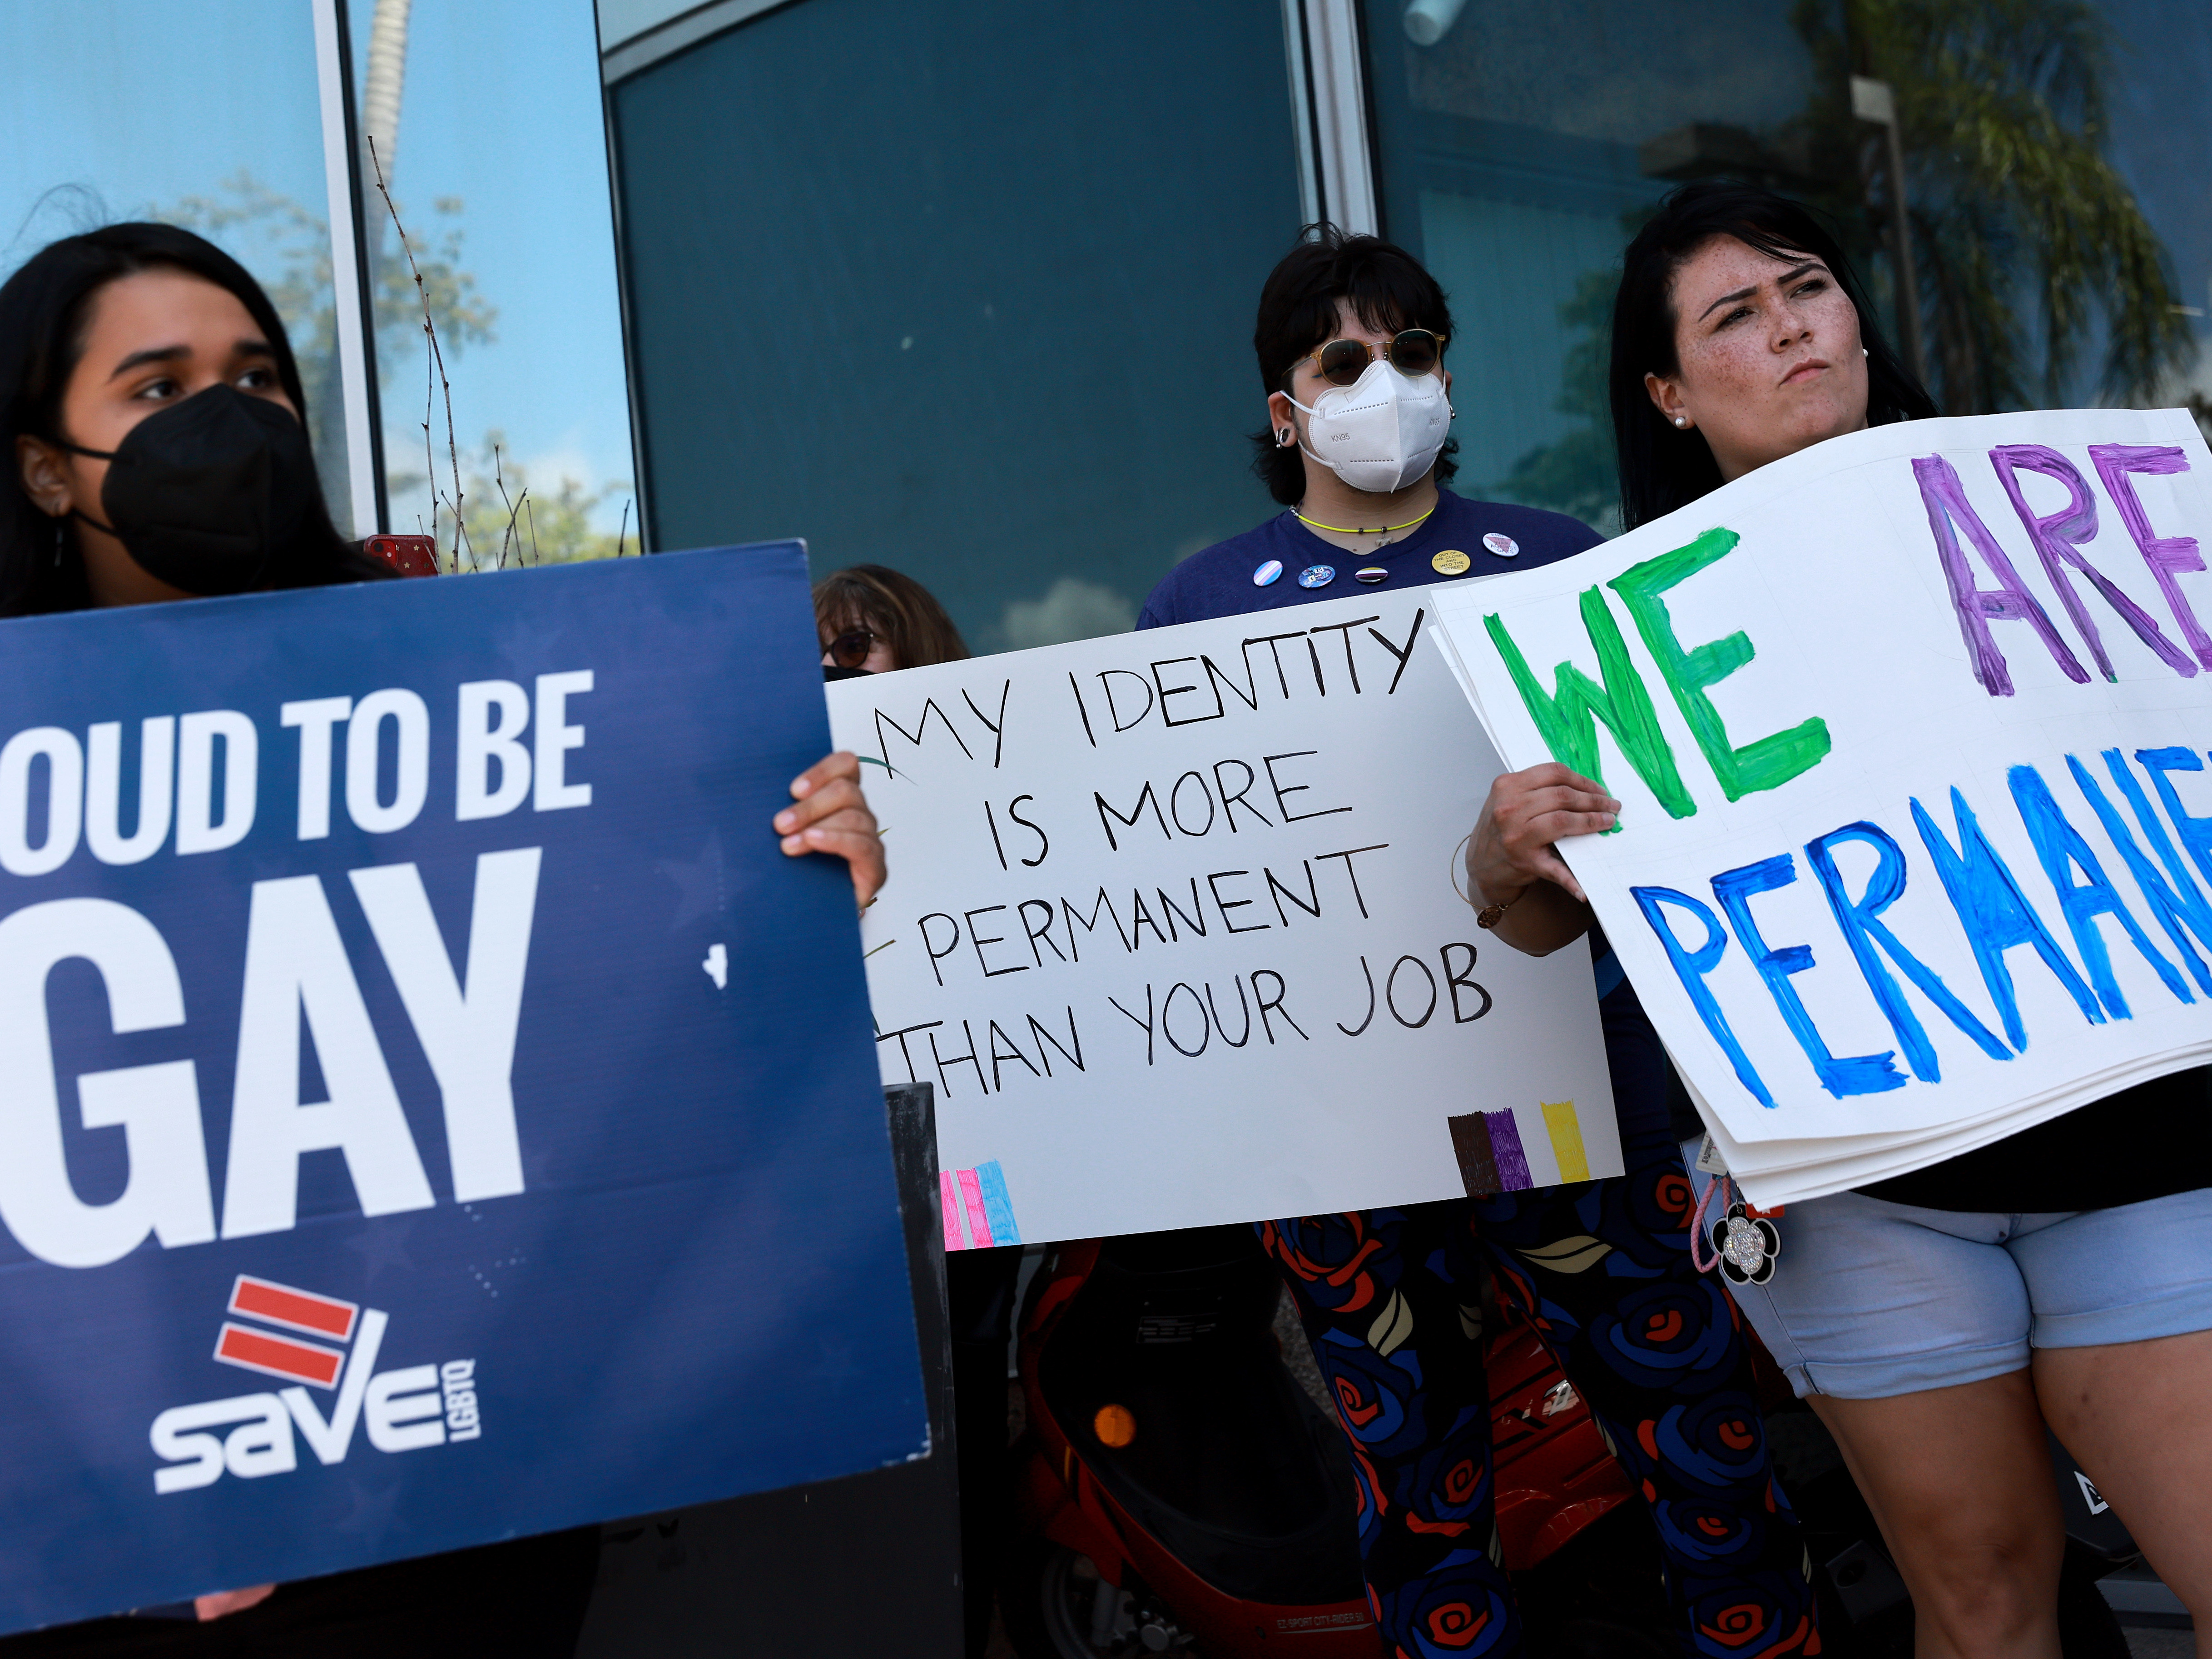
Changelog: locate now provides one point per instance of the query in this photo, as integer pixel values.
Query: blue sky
(137, 105)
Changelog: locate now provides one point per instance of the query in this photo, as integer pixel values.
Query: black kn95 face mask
(207, 493)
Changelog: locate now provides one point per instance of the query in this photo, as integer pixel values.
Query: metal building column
(1343, 149)
(349, 270)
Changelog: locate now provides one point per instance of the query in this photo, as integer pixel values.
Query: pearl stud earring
(1681, 420)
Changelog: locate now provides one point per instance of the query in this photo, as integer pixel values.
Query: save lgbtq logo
(316, 1342)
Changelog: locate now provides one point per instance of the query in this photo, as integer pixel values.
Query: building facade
(968, 288)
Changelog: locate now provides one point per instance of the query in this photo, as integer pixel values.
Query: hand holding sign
(1522, 816)
(832, 817)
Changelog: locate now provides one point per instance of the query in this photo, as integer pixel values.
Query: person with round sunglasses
(1351, 339)
(156, 411)
(1935, 1321)
(1358, 450)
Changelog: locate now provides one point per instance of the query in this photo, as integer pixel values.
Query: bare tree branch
(436, 367)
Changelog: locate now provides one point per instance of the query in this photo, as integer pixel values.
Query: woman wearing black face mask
(155, 410)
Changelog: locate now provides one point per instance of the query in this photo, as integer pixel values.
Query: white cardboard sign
(1173, 927)
(1910, 729)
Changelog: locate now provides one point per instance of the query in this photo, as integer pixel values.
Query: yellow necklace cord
(1348, 530)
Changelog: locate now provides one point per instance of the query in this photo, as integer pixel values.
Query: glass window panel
(205, 116)
(2162, 64)
(1517, 153)
(488, 123)
(967, 290)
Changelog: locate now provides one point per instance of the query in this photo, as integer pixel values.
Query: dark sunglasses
(1415, 351)
(850, 648)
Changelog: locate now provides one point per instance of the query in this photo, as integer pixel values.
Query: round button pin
(1373, 574)
(1450, 562)
(1502, 545)
(1267, 572)
(1317, 575)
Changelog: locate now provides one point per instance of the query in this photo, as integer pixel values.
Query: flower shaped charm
(1747, 1247)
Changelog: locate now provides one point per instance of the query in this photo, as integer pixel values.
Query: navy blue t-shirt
(1218, 582)
(1496, 538)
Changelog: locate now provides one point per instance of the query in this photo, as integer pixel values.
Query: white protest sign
(1909, 729)
(1172, 926)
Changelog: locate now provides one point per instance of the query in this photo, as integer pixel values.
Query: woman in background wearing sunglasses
(1351, 339)
(871, 620)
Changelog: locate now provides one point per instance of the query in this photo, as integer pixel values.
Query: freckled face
(1767, 352)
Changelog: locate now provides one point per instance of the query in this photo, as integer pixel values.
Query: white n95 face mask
(1382, 432)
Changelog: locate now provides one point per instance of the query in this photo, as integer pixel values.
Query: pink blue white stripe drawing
(978, 1213)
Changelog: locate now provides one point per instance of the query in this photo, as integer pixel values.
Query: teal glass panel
(964, 290)
(1518, 150)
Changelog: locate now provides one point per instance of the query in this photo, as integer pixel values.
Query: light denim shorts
(1870, 1299)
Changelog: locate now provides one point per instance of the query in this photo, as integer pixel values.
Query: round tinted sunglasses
(850, 648)
(1415, 351)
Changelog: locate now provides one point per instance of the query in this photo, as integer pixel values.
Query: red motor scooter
(1178, 1490)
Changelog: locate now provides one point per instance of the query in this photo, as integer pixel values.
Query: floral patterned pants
(1390, 1302)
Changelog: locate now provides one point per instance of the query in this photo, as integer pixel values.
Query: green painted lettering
(1772, 760)
(1567, 718)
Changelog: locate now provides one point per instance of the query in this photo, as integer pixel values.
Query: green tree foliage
(2027, 241)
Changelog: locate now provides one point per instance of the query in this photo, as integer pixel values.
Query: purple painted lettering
(2058, 538)
(1945, 498)
(2167, 557)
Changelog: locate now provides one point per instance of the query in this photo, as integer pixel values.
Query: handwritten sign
(415, 1055)
(1173, 924)
(1910, 731)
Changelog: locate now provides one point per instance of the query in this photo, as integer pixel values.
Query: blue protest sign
(432, 1109)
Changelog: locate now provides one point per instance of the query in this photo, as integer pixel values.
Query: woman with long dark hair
(1936, 1320)
(176, 531)
(156, 412)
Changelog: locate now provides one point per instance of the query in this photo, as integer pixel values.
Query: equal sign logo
(293, 1311)
(979, 1197)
